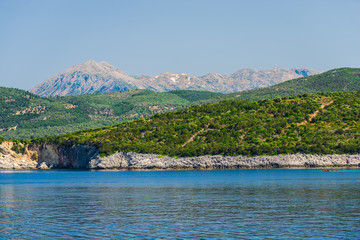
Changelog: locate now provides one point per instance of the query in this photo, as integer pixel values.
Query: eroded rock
(121, 160)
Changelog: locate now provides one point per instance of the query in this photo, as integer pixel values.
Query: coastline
(52, 157)
(138, 161)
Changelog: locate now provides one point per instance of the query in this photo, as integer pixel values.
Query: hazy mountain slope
(25, 115)
(246, 79)
(90, 77)
(314, 124)
(173, 81)
(241, 80)
(93, 77)
(335, 80)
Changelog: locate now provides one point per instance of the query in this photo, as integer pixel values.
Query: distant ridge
(335, 80)
(93, 77)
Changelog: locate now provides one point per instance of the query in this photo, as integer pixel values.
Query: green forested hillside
(316, 124)
(336, 80)
(26, 116)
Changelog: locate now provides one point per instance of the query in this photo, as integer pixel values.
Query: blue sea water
(216, 204)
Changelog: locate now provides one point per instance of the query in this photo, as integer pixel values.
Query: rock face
(46, 156)
(122, 160)
(86, 157)
(65, 157)
(93, 77)
(12, 160)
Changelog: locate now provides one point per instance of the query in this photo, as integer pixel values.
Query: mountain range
(101, 77)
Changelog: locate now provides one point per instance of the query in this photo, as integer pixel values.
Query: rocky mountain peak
(86, 78)
(99, 68)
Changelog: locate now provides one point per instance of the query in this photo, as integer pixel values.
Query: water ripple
(171, 205)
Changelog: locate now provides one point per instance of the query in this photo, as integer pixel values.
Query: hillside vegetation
(26, 116)
(308, 123)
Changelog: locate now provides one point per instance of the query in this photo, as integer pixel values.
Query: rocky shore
(10, 162)
(122, 160)
(50, 156)
(9, 159)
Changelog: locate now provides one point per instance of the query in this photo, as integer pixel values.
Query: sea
(204, 204)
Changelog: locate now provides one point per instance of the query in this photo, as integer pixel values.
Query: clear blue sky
(40, 38)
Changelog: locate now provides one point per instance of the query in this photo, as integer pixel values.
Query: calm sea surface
(219, 204)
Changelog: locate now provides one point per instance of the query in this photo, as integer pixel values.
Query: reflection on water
(253, 204)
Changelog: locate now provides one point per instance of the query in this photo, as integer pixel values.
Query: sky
(41, 38)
